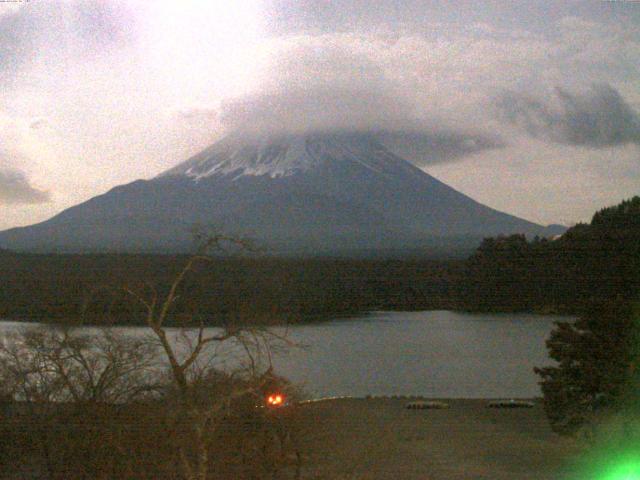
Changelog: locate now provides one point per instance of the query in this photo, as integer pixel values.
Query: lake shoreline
(306, 319)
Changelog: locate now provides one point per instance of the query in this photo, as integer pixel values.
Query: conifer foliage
(596, 365)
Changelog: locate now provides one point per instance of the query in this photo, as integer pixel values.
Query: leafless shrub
(207, 398)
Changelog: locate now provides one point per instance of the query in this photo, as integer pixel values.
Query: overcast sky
(529, 107)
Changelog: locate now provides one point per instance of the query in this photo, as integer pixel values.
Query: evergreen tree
(597, 261)
(597, 366)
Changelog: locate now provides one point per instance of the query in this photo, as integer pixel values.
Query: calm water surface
(435, 353)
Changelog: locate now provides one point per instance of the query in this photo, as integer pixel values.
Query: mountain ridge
(317, 193)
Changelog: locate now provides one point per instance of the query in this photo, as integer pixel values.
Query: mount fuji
(313, 193)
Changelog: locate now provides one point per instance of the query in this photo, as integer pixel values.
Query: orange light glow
(275, 400)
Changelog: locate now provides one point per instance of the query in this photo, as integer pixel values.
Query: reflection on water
(435, 353)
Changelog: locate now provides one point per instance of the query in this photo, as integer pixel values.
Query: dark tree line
(596, 379)
(589, 263)
(49, 287)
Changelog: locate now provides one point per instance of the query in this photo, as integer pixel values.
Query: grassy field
(358, 439)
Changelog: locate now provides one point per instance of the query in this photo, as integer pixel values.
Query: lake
(438, 354)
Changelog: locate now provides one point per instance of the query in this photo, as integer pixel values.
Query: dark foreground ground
(379, 439)
(358, 439)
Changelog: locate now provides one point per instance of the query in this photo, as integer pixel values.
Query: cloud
(10, 8)
(326, 82)
(16, 189)
(315, 109)
(19, 149)
(429, 93)
(424, 148)
(325, 109)
(39, 123)
(130, 88)
(597, 118)
(348, 82)
(53, 33)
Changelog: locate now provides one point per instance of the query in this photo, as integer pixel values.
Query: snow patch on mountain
(239, 155)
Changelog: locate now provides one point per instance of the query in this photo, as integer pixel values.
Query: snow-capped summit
(279, 157)
(315, 193)
(285, 155)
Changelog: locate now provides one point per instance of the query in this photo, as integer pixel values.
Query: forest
(600, 259)
(93, 287)
(590, 262)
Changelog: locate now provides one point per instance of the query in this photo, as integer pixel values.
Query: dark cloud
(428, 148)
(597, 118)
(16, 189)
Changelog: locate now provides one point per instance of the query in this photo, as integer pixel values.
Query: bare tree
(176, 402)
(206, 396)
(61, 363)
(63, 380)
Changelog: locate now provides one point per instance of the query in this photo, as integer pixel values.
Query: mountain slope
(315, 193)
